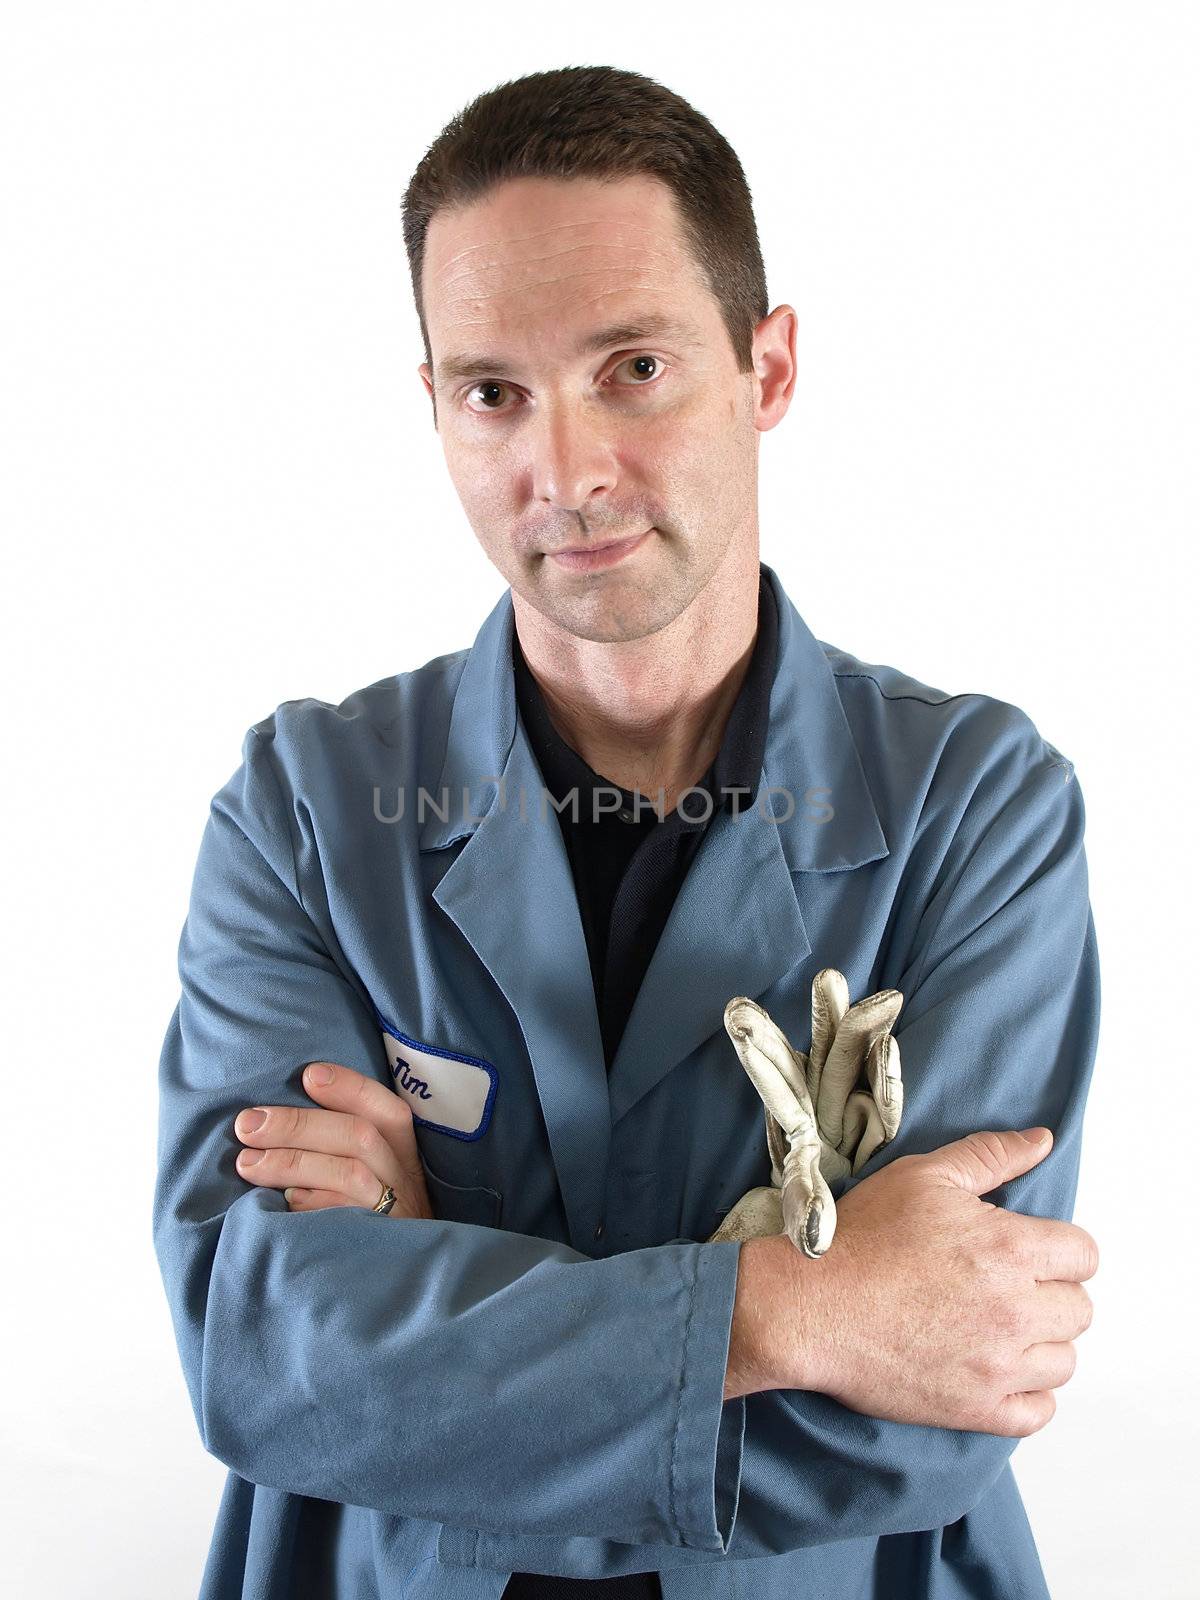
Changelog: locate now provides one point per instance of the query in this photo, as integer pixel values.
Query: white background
(221, 489)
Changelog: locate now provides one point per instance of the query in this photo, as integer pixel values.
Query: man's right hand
(932, 1306)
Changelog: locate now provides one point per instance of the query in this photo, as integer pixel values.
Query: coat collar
(810, 760)
(511, 893)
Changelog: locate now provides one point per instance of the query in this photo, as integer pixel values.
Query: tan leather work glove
(826, 1113)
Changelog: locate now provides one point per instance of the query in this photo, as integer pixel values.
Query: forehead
(555, 258)
(525, 221)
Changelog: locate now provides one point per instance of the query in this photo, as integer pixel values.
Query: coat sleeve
(999, 1030)
(426, 1368)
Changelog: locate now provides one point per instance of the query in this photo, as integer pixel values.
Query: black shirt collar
(733, 777)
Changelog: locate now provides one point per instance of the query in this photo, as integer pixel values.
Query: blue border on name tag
(449, 1055)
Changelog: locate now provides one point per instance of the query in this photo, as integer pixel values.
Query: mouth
(593, 557)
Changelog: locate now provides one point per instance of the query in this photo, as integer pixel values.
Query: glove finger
(835, 1167)
(847, 1058)
(809, 1213)
(777, 1146)
(757, 1214)
(830, 1002)
(769, 1063)
(872, 1134)
(887, 1088)
(859, 1107)
(809, 1217)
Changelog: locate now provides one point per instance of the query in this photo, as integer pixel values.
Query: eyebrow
(647, 327)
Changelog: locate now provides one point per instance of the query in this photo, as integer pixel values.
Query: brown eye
(481, 388)
(641, 361)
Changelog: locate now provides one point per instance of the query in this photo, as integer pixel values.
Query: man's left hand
(341, 1154)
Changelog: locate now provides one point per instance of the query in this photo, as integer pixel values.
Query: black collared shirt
(629, 865)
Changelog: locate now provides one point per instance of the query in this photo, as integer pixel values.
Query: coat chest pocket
(451, 1093)
(452, 1202)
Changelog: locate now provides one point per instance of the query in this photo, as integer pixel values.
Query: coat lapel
(512, 895)
(737, 926)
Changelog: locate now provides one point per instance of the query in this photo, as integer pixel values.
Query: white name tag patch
(446, 1090)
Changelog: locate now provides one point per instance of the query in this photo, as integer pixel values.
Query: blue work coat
(532, 1380)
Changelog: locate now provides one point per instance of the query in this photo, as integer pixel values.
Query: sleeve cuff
(706, 1456)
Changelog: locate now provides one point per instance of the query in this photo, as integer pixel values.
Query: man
(458, 1328)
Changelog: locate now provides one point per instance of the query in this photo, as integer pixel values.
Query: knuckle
(1008, 1246)
(1010, 1317)
(990, 1367)
(989, 1149)
(996, 1258)
(366, 1136)
(290, 1160)
(998, 1314)
(1089, 1311)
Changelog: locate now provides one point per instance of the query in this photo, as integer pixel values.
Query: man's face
(551, 444)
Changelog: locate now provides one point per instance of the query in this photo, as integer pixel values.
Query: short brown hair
(601, 122)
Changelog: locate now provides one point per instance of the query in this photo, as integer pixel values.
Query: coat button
(599, 1230)
(625, 816)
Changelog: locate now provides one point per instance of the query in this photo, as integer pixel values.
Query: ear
(426, 377)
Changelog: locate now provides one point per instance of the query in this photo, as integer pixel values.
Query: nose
(572, 455)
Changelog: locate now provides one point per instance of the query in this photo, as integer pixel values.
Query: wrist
(753, 1343)
(774, 1340)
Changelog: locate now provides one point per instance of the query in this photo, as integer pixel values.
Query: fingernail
(251, 1121)
(249, 1157)
(1035, 1135)
(319, 1075)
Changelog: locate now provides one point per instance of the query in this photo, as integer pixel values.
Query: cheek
(689, 452)
(483, 477)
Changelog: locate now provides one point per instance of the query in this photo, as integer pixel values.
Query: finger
(1054, 1250)
(335, 1134)
(341, 1132)
(357, 1183)
(1019, 1415)
(1048, 1366)
(314, 1199)
(1060, 1311)
(367, 1098)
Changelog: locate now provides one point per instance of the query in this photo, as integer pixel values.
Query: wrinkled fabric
(532, 1380)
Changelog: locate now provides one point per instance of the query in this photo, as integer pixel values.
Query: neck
(649, 714)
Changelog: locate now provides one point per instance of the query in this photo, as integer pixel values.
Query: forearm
(456, 1373)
